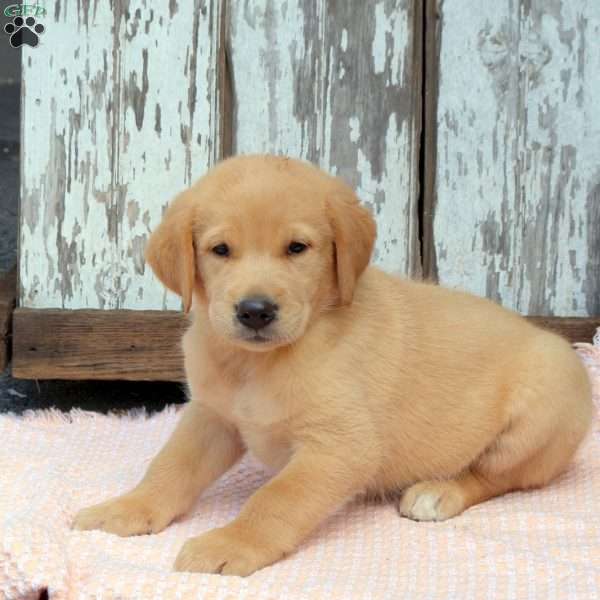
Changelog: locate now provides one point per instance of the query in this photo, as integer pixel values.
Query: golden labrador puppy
(345, 379)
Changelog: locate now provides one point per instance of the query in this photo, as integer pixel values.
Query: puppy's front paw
(226, 551)
(127, 515)
(432, 501)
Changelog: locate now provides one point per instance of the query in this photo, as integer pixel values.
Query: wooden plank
(8, 294)
(139, 345)
(339, 84)
(517, 214)
(133, 118)
(431, 33)
(98, 344)
(574, 329)
(225, 89)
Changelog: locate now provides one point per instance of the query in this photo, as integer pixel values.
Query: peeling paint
(332, 83)
(136, 252)
(157, 119)
(518, 200)
(354, 129)
(133, 213)
(344, 40)
(103, 155)
(379, 39)
(134, 96)
(591, 282)
(524, 231)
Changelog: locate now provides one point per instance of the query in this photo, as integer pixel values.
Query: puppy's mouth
(258, 338)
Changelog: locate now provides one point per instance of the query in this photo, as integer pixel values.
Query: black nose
(256, 312)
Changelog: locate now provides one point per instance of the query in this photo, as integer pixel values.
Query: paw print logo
(24, 31)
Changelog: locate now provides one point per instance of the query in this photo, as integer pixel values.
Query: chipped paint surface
(517, 214)
(332, 82)
(131, 120)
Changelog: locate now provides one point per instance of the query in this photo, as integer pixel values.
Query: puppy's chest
(261, 419)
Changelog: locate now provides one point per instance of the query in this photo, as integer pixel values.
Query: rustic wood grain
(574, 329)
(121, 110)
(8, 294)
(225, 89)
(98, 344)
(431, 58)
(517, 215)
(337, 83)
(139, 345)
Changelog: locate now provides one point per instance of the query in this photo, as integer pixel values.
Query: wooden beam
(139, 345)
(97, 344)
(8, 294)
(574, 329)
(431, 60)
(225, 92)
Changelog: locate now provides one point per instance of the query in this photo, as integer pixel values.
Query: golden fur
(364, 382)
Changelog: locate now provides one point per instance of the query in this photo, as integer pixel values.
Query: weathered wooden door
(140, 106)
(516, 205)
(473, 135)
(122, 108)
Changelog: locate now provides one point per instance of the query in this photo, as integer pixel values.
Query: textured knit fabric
(539, 544)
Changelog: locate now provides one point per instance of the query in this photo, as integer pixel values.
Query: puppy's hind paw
(432, 501)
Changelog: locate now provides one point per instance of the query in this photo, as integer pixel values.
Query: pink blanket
(542, 544)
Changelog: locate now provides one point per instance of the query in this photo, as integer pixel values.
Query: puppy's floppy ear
(354, 235)
(170, 250)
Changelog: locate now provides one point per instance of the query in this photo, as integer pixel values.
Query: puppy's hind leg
(438, 500)
(507, 465)
(499, 470)
(548, 419)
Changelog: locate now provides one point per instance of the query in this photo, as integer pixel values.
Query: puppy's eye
(221, 250)
(296, 248)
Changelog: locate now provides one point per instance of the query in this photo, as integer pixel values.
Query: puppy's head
(266, 244)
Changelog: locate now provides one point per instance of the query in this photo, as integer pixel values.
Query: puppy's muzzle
(256, 312)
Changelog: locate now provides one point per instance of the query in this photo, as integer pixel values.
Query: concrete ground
(19, 395)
